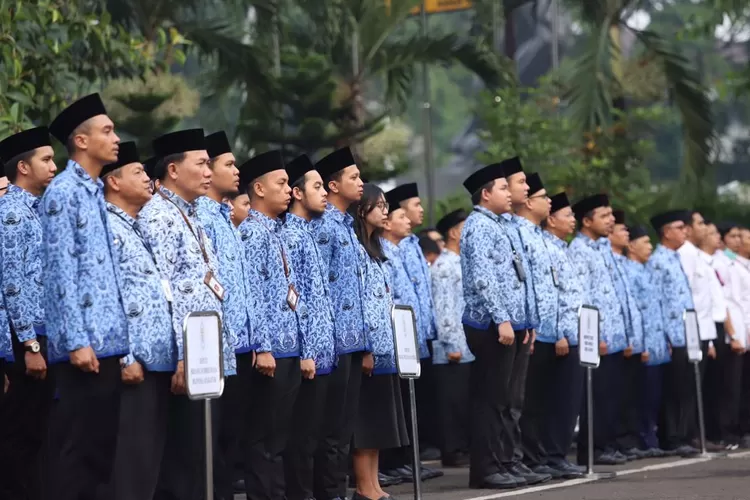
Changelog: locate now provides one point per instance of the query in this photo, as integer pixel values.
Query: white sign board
(204, 363)
(692, 336)
(405, 342)
(588, 336)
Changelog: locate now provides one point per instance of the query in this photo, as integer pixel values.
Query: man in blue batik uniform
(273, 280)
(317, 339)
(238, 305)
(628, 429)
(147, 370)
(494, 321)
(594, 216)
(187, 259)
(30, 168)
(656, 349)
(87, 330)
(678, 401)
(451, 355)
(345, 262)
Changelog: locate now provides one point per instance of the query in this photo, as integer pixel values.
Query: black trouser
(728, 387)
(342, 404)
(694, 432)
(299, 457)
(650, 405)
(607, 387)
(539, 405)
(452, 387)
(183, 470)
(235, 403)
(745, 396)
(140, 440)
(713, 391)
(566, 386)
(427, 415)
(629, 421)
(520, 360)
(83, 431)
(678, 401)
(269, 428)
(496, 386)
(24, 419)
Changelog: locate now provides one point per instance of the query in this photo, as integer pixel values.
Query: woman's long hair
(371, 195)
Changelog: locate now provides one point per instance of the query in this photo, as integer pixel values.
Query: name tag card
(405, 342)
(692, 336)
(204, 363)
(588, 336)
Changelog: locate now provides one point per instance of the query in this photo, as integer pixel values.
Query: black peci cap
(75, 114)
(586, 205)
(23, 142)
(217, 144)
(619, 216)
(334, 162)
(297, 168)
(535, 183)
(475, 181)
(559, 201)
(637, 232)
(150, 166)
(128, 154)
(660, 220)
(401, 193)
(179, 142)
(260, 165)
(512, 166)
(450, 220)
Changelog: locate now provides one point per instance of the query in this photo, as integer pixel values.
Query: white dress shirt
(708, 296)
(736, 278)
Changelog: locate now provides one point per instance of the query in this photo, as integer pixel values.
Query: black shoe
(456, 460)
(430, 454)
(655, 453)
(239, 486)
(621, 456)
(687, 451)
(430, 473)
(609, 459)
(566, 470)
(638, 454)
(497, 481)
(404, 473)
(519, 470)
(387, 481)
(546, 469)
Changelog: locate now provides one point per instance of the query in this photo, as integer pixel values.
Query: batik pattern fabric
(21, 263)
(404, 292)
(492, 291)
(592, 270)
(317, 335)
(673, 292)
(448, 299)
(542, 282)
(270, 275)
(150, 329)
(83, 306)
(238, 305)
(345, 262)
(646, 296)
(378, 307)
(419, 273)
(171, 228)
(631, 314)
(571, 294)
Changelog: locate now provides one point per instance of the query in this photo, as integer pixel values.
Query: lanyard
(510, 240)
(190, 226)
(138, 233)
(281, 247)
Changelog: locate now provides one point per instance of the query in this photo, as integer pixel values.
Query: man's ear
(259, 189)
(333, 187)
(297, 193)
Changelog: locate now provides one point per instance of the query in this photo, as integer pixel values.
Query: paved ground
(726, 478)
(668, 479)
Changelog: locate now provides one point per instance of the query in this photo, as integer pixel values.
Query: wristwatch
(34, 347)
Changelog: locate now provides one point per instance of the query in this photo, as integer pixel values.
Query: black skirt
(380, 420)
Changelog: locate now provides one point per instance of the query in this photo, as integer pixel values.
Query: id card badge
(214, 285)
(554, 276)
(518, 266)
(292, 297)
(167, 290)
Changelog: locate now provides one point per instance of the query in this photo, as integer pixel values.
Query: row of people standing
(105, 261)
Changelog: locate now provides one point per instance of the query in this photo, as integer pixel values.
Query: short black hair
(335, 177)
(585, 215)
(11, 166)
(428, 245)
(160, 169)
(83, 128)
(476, 198)
(299, 183)
(426, 231)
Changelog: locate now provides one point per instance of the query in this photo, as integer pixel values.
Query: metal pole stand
(701, 416)
(209, 451)
(416, 463)
(590, 474)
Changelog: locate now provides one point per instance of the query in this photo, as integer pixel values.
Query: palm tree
(595, 90)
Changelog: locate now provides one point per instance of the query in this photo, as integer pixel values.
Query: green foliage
(530, 123)
(53, 51)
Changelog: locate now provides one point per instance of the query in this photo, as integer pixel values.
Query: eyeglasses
(382, 205)
(542, 196)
